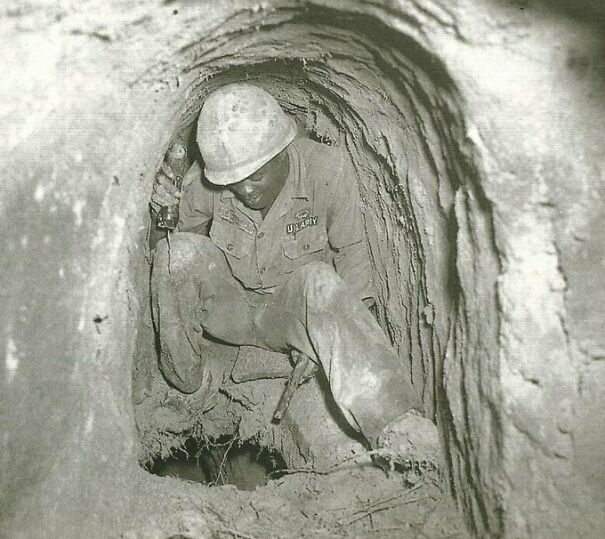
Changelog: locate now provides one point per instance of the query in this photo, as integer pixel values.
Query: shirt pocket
(231, 240)
(307, 246)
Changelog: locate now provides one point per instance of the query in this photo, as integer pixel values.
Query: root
(221, 479)
(367, 510)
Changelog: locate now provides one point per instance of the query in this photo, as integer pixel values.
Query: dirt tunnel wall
(476, 144)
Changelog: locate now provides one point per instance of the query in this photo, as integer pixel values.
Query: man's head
(259, 190)
(242, 133)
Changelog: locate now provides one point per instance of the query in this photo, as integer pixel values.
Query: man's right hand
(165, 192)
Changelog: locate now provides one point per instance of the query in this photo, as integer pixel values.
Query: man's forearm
(202, 228)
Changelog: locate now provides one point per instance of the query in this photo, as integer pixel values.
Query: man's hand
(165, 192)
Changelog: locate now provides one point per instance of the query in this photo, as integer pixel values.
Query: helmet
(240, 128)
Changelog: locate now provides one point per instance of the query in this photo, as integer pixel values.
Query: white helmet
(240, 128)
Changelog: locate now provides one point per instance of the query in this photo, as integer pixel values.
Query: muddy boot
(200, 401)
(181, 358)
(410, 442)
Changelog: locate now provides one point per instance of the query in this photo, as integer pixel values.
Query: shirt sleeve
(196, 207)
(346, 232)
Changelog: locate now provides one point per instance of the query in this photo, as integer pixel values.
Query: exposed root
(369, 508)
(221, 478)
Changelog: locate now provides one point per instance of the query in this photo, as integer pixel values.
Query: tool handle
(176, 159)
(304, 368)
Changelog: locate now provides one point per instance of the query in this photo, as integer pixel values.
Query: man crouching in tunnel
(271, 252)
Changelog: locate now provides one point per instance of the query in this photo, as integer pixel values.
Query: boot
(181, 359)
(410, 442)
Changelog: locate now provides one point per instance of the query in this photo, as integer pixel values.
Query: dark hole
(220, 462)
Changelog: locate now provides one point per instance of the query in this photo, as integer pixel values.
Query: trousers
(312, 310)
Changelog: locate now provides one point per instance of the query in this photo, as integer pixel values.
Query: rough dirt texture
(311, 434)
(303, 505)
(477, 132)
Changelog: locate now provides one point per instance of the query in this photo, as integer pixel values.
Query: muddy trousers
(313, 311)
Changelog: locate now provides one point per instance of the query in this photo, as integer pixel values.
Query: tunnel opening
(351, 81)
(224, 461)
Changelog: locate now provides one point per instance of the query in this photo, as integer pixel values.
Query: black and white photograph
(302, 269)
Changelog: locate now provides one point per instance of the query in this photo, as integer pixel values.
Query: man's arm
(196, 208)
(346, 233)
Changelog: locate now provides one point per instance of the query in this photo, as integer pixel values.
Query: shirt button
(261, 235)
(306, 247)
(229, 247)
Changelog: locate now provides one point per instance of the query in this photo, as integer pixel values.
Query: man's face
(259, 190)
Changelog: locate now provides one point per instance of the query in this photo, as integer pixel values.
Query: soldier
(271, 252)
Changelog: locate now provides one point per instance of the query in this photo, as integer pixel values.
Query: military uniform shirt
(315, 217)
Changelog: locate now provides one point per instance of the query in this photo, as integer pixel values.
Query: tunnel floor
(352, 501)
(235, 472)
